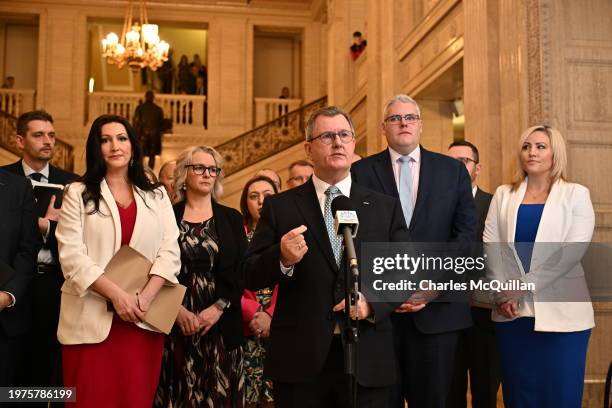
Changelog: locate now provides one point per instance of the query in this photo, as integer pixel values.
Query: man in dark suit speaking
(436, 196)
(295, 247)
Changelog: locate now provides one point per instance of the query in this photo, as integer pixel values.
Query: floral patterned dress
(258, 389)
(197, 370)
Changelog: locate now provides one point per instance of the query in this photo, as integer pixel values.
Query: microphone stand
(351, 297)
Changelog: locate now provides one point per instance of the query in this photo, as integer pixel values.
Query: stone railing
(183, 110)
(267, 140)
(63, 153)
(269, 109)
(16, 101)
(356, 75)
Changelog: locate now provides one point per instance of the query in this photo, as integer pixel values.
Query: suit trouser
(478, 353)
(43, 362)
(329, 389)
(11, 356)
(426, 364)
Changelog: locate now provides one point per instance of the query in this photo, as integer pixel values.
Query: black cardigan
(227, 271)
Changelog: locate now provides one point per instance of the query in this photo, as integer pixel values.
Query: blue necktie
(405, 187)
(334, 239)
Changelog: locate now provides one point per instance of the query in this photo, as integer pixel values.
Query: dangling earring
(131, 162)
(184, 187)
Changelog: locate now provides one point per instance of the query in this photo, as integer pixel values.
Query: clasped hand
(260, 324)
(191, 323)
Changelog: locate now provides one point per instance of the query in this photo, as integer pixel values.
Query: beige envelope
(129, 270)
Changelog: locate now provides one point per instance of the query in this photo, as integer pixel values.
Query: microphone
(346, 224)
(344, 215)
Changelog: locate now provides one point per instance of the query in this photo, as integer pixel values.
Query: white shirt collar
(28, 170)
(415, 154)
(344, 185)
(474, 190)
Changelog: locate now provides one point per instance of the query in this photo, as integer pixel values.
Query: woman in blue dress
(536, 233)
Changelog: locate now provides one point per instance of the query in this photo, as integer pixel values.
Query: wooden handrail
(268, 139)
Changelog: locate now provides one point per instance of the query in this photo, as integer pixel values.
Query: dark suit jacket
(227, 270)
(444, 211)
(19, 246)
(56, 176)
(302, 328)
(482, 199)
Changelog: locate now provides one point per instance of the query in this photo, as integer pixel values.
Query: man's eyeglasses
(409, 118)
(345, 136)
(300, 179)
(466, 160)
(199, 169)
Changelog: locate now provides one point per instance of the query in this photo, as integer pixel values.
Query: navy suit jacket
(56, 176)
(302, 328)
(19, 246)
(444, 211)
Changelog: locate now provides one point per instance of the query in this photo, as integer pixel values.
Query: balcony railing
(63, 154)
(16, 101)
(267, 140)
(183, 110)
(269, 109)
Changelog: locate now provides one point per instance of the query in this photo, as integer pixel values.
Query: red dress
(123, 370)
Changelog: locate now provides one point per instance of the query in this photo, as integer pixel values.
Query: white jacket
(568, 218)
(87, 242)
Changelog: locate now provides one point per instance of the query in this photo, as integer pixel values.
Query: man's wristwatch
(222, 304)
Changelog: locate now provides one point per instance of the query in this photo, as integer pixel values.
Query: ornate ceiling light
(139, 45)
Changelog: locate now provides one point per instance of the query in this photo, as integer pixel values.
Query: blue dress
(539, 369)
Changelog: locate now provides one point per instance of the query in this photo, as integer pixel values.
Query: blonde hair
(180, 173)
(559, 152)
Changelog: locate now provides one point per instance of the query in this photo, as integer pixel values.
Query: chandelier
(139, 46)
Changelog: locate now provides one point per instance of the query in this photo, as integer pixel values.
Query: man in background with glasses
(305, 355)
(436, 196)
(477, 351)
(300, 172)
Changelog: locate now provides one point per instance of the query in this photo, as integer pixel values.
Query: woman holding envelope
(203, 363)
(109, 355)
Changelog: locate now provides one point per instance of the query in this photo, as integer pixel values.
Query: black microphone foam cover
(342, 203)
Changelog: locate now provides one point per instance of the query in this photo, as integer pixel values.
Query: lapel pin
(366, 203)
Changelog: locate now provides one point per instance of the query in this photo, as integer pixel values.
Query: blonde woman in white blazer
(109, 355)
(536, 233)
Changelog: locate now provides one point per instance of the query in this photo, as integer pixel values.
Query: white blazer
(87, 242)
(568, 218)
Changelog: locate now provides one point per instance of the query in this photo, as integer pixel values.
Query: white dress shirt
(44, 255)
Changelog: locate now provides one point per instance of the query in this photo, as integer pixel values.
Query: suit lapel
(426, 178)
(225, 238)
(359, 198)
(308, 205)
(141, 222)
(384, 173)
(112, 206)
(4, 191)
(552, 215)
(514, 203)
(53, 176)
(18, 168)
(480, 201)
